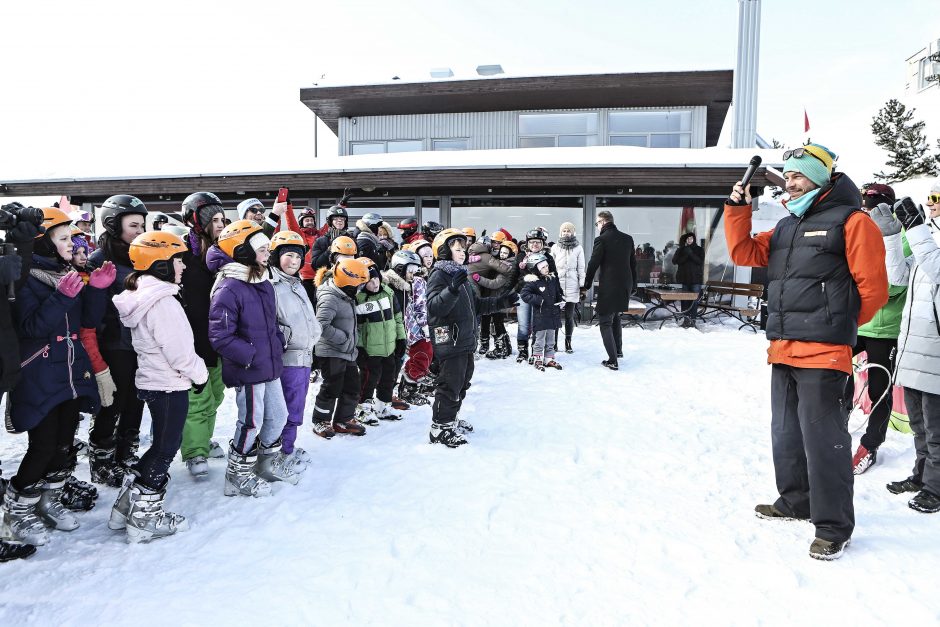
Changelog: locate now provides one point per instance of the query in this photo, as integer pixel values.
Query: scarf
(799, 206)
(49, 277)
(569, 242)
(239, 272)
(449, 267)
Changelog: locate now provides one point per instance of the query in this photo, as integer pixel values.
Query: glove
(199, 387)
(909, 214)
(508, 300)
(24, 232)
(71, 284)
(457, 280)
(106, 387)
(476, 277)
(103, 277)
(582, 293)
(474, 259)
(884, 218)
(11, 266)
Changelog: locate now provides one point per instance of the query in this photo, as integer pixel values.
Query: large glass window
(391, 210)
(392, 145)
(517, 215)
(450, 144)
(539, 130)
(405, 145)
(653, 129)
(368, 148)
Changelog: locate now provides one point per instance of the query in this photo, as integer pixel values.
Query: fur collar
(398, 283)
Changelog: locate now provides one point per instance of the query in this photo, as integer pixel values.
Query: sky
(119, 88)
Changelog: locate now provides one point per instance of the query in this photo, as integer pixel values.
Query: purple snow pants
(294, 381)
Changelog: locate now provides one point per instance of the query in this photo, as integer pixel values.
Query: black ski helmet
(408, 226)
(430, 229)
(337, 211)
(538, 234)
(115, 207)
(191, 209)
(159, 220)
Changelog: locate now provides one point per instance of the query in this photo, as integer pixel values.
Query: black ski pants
(611, 334)
(339, 391)
(499, 324)
(452, 384)
(50, 445)
(569, 318)
(377, 376)
(881, 352)
(923, 412)
(118, 425)
(812, 448)
(168, 412)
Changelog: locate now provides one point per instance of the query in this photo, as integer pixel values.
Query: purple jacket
(243, 326)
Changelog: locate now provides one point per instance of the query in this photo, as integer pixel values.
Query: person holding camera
(825, 278)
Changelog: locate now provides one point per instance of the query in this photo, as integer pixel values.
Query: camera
(15, 212)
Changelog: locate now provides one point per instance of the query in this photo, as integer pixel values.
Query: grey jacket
(336, 314)
(296, 319)
(918, 361)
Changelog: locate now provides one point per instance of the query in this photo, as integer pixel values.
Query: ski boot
(385, 411)
(408, 392)
(215, 450)
(274, 465)
(198, 466)
(103, 467)
(366, 413)
(122, 504)
(299, 458)
(314, 375)
(20, 522)
(427, 385)
(538, 363)
(446, 434)
(568, 348)
(125, 451)
(484, 344)
(240, 476)
(50, 508)
(351, 426)
(863, 460)
(523, 352)
(399, 404)
(324, 429)
(15, 551)
(532, 354)
(78, 495)
(146, 518)
(462, 426)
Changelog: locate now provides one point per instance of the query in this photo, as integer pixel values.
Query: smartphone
(282, 194)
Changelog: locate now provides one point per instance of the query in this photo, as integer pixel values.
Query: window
(926, 68)
(392, 145)
(653, 129)
(516, 215)
(450, 144)
(540, 130)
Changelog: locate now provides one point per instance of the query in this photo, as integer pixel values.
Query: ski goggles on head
(933, 199)
(812, 151)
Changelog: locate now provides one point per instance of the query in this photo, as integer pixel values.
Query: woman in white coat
(918, 360)
(569, 262)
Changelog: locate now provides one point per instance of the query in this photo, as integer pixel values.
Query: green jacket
(380, 322)
(886, 325)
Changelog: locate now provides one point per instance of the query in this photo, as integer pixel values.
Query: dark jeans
(452, 384)
(569, 318)
(50, 444)
(812, 448)
(339, 391)
(686, 304)
(880, 352)
(499, 324)
(168, 412)
(923, 411)
(611, 334)
(118, 425)
(376, 376)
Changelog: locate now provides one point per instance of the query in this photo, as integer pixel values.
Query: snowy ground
(586, 497)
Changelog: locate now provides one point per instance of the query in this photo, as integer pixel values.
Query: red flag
(805, 121)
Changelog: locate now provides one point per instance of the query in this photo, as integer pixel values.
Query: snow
(585, 497)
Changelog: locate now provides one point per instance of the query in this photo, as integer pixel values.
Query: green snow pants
(200, 421)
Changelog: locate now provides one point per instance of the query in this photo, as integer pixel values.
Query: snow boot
(863, 460)
(240, 476)
(910, 484)
(568, 348)
(20, 522)
(351, 426)
(215, 450)
(385, 411)
(551, 363)
(366, 413)
(610, 365)
(146, 518)
(274, 465)
(50, 508)
(926, 502)
(827, 550)
(104, 469)
(497, 352)
(770, 512)
(15, 551)
(198, 466)
(484, 345)
(78, 495)
(408, 392)
(324, 429)
(523, 352)
(446, 434)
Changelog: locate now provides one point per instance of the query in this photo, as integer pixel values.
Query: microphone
(751, 169)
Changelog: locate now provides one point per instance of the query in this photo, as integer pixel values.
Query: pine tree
(908, 155)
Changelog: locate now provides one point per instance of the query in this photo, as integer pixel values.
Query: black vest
(811, 295)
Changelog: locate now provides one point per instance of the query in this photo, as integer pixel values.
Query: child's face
(458, 252)
(61, 238)
(410, 272)
(427, 257)
(178, 267)
(543, 268)
(504, 252)
(290, 263)
(262, 255)
(372, 286)
(79, 258)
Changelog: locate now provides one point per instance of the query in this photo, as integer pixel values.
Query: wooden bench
(718, 300)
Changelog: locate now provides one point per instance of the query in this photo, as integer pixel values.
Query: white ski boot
(366, 413)
(274, 465)
(122, 504)
(50, 508)
(240, 477)
(385, 411)
(147, 520)
(198, 466)
(20, 521)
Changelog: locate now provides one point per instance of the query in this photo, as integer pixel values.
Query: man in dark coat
(614, 255)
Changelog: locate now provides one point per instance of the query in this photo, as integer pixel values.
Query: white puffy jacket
(569, 263)
(918, 357)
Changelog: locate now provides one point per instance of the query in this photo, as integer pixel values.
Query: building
(922, 70)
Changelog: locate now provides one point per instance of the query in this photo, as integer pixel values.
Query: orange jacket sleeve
(865, 252)
(744, 249)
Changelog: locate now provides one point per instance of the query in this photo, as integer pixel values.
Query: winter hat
(205, 214)
(80, 242)
(815, 163)
(245, 205)
(567, 225)
(935, 188)
(257, 240)
(874, 194)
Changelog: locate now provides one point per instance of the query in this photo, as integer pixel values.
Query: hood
(216, 259)
(133, 305)
(478, 248)
(391, 277)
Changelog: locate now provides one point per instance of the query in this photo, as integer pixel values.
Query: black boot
(484, 344)
(507, 346)
(104, 469)
(568, 348)
(523, 352)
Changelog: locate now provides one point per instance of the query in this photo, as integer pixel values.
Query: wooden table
(666, 299)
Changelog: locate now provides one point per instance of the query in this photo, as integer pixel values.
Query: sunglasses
(812, 151)
(934, 199)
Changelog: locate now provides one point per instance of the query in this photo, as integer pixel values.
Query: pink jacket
(162, 337)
